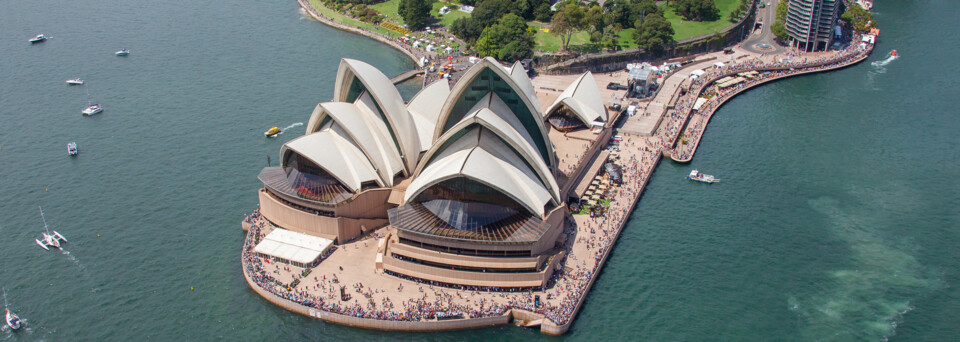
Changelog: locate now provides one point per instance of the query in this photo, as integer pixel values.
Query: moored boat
(40, 38)
(272, 132)
(72, 149)
(701, 177)
(92, 109)
(122, 52)
(75, 81)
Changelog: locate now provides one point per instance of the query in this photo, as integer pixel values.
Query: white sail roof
(583, 98)
(481, 156)
(336, 154)
(425, 108)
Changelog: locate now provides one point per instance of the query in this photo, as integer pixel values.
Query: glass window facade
(310, 181)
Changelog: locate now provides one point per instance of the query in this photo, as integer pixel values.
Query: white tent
(698, 72)
(699, 103)
(295, 248)
(718, 64)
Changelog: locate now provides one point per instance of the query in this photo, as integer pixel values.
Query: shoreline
(686, 154)
(312, 12)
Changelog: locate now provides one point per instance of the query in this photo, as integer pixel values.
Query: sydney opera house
(466, 177)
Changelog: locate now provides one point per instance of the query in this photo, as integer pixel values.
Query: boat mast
(5, 297)
(44, 220)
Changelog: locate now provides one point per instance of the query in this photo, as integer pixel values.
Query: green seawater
(836, 220)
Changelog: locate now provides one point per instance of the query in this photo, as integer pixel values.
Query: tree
(779, 27)
(697, 10)
(566, 21)
(594, 19)
(415, 13)
(859, 18)
(467, 29)
(654, 34)
(542, 11)
(508, 40)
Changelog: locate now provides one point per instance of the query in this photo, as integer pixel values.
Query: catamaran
(122, 52)
(72, 149)
(48, 240)
(38, 39)
(698, 176)
(13, 321)
(91, 108)
(75, 81)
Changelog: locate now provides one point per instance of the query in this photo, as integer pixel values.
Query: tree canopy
(779, 27)
(697, 10)
(859, 18)
(415, 13)
(654, 33)
(568, 19)
(507, 40)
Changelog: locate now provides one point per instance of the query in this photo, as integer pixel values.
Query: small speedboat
(75, 81)
(698, 176)
(272, 132)
(92, 109)
(72, 149)
(13, 321)
(40, 38)
(122, 52)
(893, 53)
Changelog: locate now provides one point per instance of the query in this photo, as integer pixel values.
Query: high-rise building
(810, 23)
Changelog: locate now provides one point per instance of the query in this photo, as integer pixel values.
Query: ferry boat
(272, 132)
(72, 149)
(75, 81)
(122, 52)
(40, 38)
(92, 109)
(48, 240)
(13, 321)
(701, 177)
(893, 53)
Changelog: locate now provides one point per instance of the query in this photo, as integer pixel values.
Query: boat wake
(880, 66)
(71, 258)
(298, 124)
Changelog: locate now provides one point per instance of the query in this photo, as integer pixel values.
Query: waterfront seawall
(312, 12)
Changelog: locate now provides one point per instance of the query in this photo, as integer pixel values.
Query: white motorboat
(122, 52)
(72, 149)
(75, 81)
(40, 38)
(92, 109)
(13, 321)
(701, 177)
(48, 240)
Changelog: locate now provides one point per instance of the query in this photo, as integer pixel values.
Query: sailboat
(13, 321)
(48, 240)
(91, 109)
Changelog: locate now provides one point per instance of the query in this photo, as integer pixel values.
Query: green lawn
(389, 9)
(448, 18)
(684, 29)
(549, 42)
(329, 13)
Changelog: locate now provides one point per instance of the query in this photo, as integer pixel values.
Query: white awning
(292, 246)
(699, 103)
(698, 72)
(718, 64)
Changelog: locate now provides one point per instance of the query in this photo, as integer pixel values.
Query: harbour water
(836, 219)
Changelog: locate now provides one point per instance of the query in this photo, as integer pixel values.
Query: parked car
(615, 106)
(613, 86)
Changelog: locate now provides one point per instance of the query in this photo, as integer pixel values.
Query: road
(754, 43)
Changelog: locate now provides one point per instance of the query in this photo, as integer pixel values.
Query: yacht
(75, 81)
(122, 52)
(38, 39)
(13, 321)
(72, 149)
(272, 132)
(701, 177)
(48, 240)
(92, 109)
